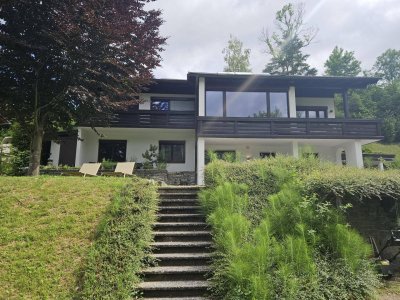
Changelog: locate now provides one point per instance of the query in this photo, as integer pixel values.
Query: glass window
(214, 104)
(160, 104)
(246, 104)
(278, 105)
(301, 113)
(312, 114)
(172, 151)
(182, 105)
(112, 150)
(321, 114)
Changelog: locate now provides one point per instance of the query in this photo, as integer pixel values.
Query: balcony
(288, 128)
(153, 119)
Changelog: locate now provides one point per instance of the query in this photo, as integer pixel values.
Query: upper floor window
(172, 104)
(246, 104)
(312, 112)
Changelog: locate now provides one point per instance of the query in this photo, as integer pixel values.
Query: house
(256, 115)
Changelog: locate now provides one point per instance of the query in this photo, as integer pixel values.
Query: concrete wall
(138, 141)
(329, 102)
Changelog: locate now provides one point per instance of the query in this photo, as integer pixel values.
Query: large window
(312, 112)
(247, 104)
(113, 150)
(172, 151)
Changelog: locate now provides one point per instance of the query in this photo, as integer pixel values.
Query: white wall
(138, 141)
(329, 102)
(54, 153)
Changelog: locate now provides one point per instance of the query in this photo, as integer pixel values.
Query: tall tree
(286, 45)
(64, 61)
(342, 63)
(236, 57)
(387, 65)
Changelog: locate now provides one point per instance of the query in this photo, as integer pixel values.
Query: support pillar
(292, 102)
(294, 149)
(354, 155)
(200, 160)
(78, 155)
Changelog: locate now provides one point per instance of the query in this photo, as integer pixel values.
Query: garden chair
(125, 168)
(90, 169)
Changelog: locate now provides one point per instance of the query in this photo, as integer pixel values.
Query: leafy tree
(387, 65)
(342, 63)
(62, 62)
(286, 45)
(236, 58)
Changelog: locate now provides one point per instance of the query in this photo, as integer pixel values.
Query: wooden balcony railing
(154, 119)
(288, 128)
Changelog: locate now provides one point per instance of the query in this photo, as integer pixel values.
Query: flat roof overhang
(306, 86)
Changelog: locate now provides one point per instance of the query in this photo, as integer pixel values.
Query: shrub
(278, 237)
(122, 244)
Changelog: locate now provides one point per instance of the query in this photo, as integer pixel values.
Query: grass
(383, 148)
(47, 226)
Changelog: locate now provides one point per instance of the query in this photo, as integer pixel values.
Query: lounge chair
(125, 168)
(90, 169)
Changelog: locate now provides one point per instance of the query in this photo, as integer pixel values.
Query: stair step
(191, 195)
(181, 247)
(181, 236)
(188, 288)
(178, 202)
(179, 209)
(180, 217)
(188, 256)
(186, 226)
(176, 270)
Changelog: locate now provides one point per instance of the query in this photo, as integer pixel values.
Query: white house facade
(256, 115)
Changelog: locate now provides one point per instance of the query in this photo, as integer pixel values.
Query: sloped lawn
(47, 225)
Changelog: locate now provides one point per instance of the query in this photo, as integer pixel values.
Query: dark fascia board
(171, 86)
(332, 83)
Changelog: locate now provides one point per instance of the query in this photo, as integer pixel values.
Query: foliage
(108, 164)
(153, 159)
(286, 45)
(65, 61)
(121, 244)
(236, 58)
(47, 226)
(387, 65)
(342, 63)
(296, 247)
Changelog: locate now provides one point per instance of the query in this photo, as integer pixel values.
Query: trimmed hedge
(122, 244)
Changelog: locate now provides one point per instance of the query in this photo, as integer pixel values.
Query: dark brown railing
(288, 127)
(154, 119)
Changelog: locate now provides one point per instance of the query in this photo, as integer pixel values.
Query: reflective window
(172, 151)
(246, 104)
(312, 114)
(278, 105)
(160, 105)
(301, 114)
(112, 150)
(214, 104)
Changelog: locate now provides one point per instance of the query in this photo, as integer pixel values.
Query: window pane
(178, 152)
(182, 105)
(312, 114)
(172, 152)
(112, 150)
(161, 105)
(322, 114)
(214, 104)
(301, 114)
(278, 105)
(246, 104)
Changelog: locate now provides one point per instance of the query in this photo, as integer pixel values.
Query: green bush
(122, 244)
(278, 237)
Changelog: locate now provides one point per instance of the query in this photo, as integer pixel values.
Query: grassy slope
(384, 148)
(46, 227)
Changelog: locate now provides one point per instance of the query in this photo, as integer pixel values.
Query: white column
(354, 154)
(200, 160)
(294, 149)
(292, 102)
(202, 97)
(55, 153)
(78, 155)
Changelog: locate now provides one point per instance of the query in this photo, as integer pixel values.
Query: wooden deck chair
(125, 168)
(90, 169)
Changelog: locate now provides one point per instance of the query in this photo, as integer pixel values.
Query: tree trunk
(36, 151)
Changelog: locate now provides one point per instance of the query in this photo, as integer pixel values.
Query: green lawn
(46, 227)
(383, 148)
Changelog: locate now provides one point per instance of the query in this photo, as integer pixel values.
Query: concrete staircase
(181, 247)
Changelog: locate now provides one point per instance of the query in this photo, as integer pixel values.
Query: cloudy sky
(198, 30)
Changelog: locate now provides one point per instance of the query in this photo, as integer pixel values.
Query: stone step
(175, 273)
(179, 226)
(181, 247)
(181, 217)
(178, 189)
(178, 202)
(182, 259)
(178, 195)
(179, 209)
(180, 236)
(184, 288)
